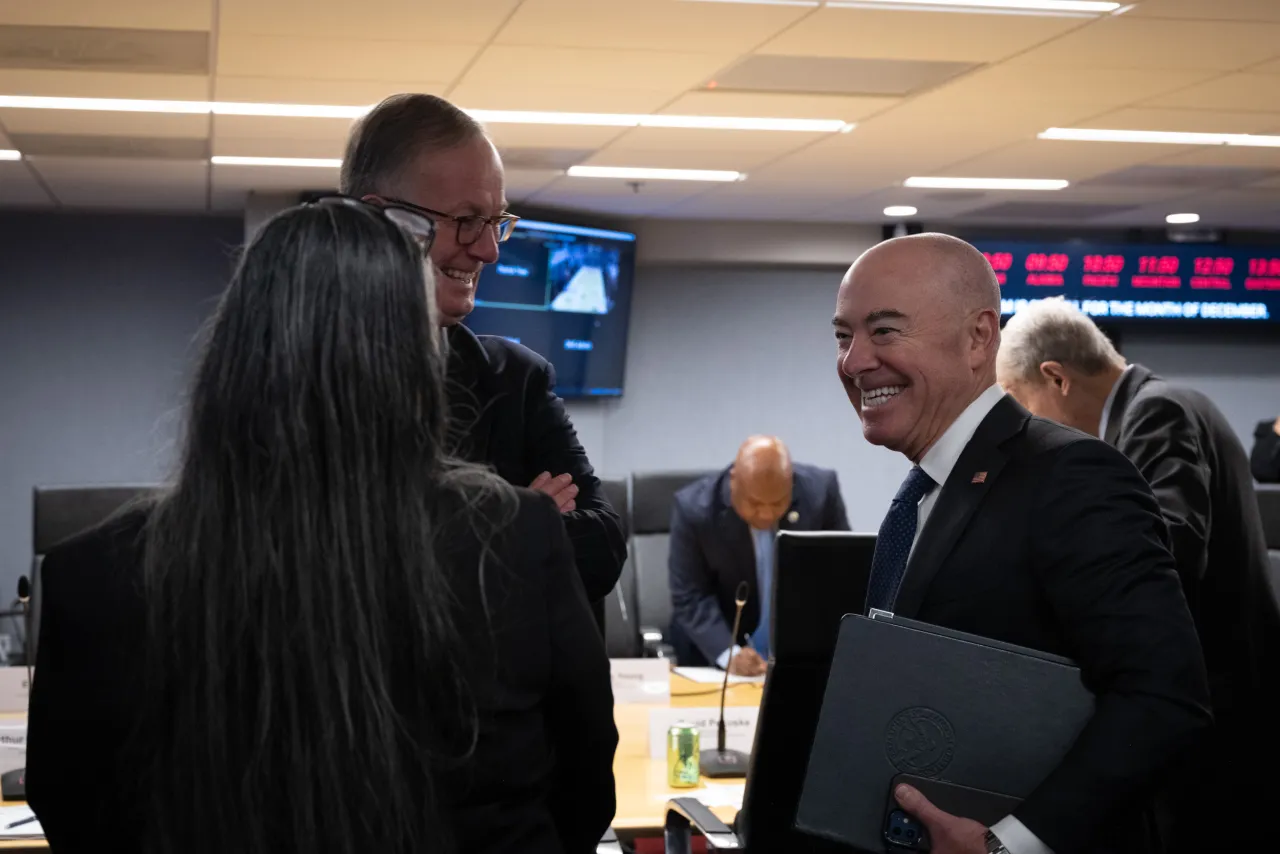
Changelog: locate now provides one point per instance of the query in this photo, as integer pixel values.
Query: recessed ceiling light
(900, 210)
(642, 174)
(323, 111)
(986, 183)
(10, 154)
(307, 162)
(1182, 218)
(1160, 136)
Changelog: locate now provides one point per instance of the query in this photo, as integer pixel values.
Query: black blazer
(541, 778)
(711, 552)
(504, 413)
(1265, 459)
(1050, 539)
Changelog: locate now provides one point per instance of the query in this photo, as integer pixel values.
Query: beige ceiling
(1180, 65)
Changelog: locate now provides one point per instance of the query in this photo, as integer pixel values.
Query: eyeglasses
(470, 227)
(416, 224)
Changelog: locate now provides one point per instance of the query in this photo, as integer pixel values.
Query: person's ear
(984, 331)
(1056, 376)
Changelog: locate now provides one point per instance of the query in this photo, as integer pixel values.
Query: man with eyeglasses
(421, 153)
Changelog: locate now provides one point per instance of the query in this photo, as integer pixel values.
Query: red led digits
(1162, 265)
(999, 261)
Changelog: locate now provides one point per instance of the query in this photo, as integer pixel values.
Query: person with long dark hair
(326, 635)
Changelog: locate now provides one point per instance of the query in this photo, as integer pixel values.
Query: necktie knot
(917, 485)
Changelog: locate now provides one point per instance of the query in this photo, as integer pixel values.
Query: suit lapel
(977, 469)
(470, 394)
(1135, 378)
(734, 532)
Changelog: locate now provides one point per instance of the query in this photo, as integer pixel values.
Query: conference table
(642, 782)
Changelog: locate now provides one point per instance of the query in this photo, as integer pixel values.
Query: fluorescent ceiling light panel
(306, 162)
(1160, 136)
(1182, 218)
(10, 154)
(322, 111)
(1047, 7)
(641, 174)
(945, 183)
(900, 210)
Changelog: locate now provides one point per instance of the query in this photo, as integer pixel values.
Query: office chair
(621, 627)
(821, 577)
(61, 512)
(652, 496)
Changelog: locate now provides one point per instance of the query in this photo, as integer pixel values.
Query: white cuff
(722, 660)
(1017, 838)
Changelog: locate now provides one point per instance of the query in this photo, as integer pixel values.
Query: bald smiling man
(1025, 531)
(722, 530)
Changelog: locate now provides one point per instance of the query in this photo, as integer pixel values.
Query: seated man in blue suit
(722, 532)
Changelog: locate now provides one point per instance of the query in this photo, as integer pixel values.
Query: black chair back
(1269, 509)
(59, 513)
(820, 577)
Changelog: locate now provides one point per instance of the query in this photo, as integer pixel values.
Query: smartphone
(903, 832)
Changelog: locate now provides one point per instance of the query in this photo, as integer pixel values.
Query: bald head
(917, 326)
(760, 481)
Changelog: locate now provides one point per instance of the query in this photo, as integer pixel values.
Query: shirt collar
(942, 457)
(1111, 398)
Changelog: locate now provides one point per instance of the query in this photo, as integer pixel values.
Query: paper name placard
(13, 689)
(739, 727)
(640, 680)
(13, 746)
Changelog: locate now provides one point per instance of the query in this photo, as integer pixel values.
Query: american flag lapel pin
(979, 477)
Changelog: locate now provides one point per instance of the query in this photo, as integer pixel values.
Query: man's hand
(561, 488)
(747, 663)
(948, 834)
(1276, 426)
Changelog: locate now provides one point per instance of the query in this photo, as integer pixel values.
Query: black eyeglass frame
(503, 224)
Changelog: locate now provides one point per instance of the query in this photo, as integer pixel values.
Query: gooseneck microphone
(13, 784)
(723, 762)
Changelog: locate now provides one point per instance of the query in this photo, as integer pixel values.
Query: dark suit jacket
(541, 777)
(1265, 459)
(712, 551)
(1197, 468)
(1061, 548)
(505, 413)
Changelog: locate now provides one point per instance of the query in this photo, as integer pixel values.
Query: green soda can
(682, 756)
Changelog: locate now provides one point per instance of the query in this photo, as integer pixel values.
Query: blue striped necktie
(893, 545)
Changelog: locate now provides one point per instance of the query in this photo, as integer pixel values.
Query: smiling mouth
(871, 398)
(466, 278)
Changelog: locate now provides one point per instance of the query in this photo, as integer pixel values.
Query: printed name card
(640, 680)
(739, 727)
(13, 690)
(13, 746)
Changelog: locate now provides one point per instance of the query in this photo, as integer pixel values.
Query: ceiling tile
(297, 90)
(1188, 121)
(1209, 10)
(1239, 92)
(531, 67)
(648, 25)
(120, 183)
(447, 21)
(551, 136)
(1267, 67)
(524, 183)
(19, 187)
(614, 196)
(1223, 155)
(284, 129)
(273, 146)
(941, 36)
(749, 200)
(1127, 42)
(829, 75)
(498, 94)
(105, 124)
(1017, 83)
(149, 14)
(241, 55)
(226, 179)
(80, 84)
(777, 105)
(714, 141)
(1073, 161)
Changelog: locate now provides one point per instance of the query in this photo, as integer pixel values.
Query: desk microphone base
(723, 763)
(13, 785)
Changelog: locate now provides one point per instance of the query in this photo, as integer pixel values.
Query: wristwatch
(994, 845)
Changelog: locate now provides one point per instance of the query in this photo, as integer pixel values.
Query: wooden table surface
(642, 782)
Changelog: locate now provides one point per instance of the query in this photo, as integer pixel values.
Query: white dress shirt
(938, 463)
(1106, 406)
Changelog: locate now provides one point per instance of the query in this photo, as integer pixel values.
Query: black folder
(907, 698)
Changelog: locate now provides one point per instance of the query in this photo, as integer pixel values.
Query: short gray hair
(393, 134)
(1053, 330)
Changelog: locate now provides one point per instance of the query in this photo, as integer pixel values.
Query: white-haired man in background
(1057, 363)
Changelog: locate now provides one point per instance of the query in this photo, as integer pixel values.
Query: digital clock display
(1191, 281)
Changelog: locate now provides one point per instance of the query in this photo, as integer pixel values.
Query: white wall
(718, 353)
